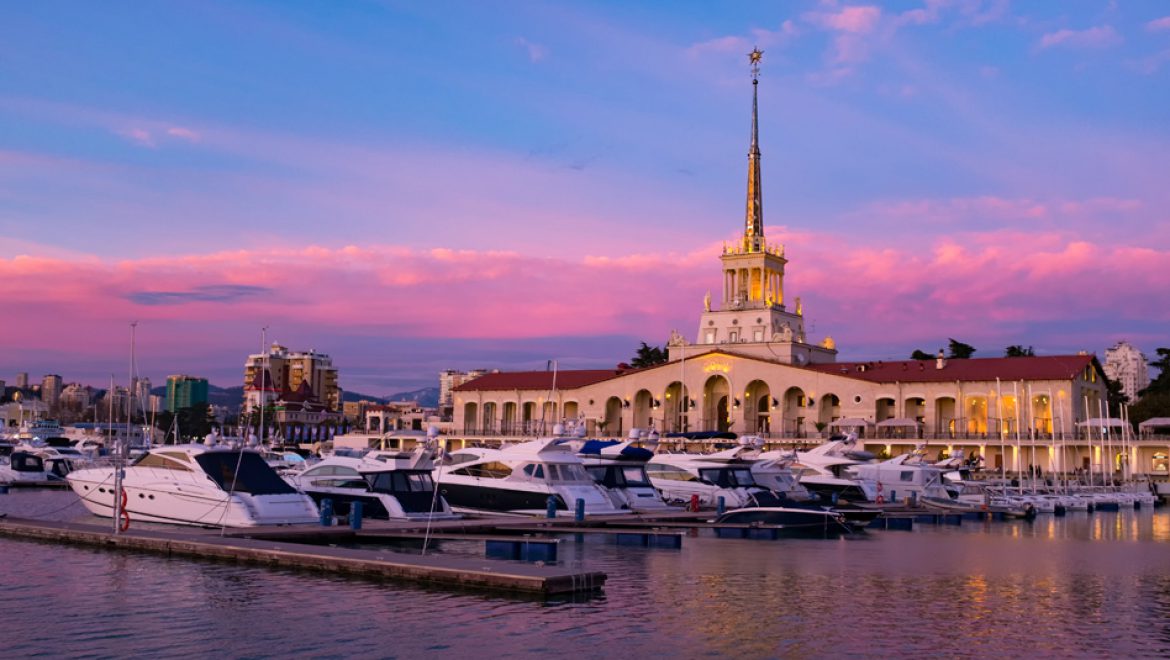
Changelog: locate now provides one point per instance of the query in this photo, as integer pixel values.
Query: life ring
(880, 500)
(125, 524)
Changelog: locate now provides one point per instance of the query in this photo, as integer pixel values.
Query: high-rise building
(1127, 365)
(22, 380)
(449, 379)
(185, 391)
(309, 375)
(51, 386)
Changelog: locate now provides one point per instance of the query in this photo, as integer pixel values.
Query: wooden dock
(435, 570)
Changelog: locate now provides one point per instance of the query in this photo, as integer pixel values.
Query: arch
(975, 412)
(528, 417)
(613, 417)
(914, 407)
(829, 409)
(643, 406)
(676, 408)
(795, 403)
(488, 425)
(572, 410)
(945, 411)
(717, 404)
(1041, 414)
(508, 422)
(885, 408)
(757, 407)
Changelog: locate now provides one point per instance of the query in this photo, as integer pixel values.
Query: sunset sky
(412, 187)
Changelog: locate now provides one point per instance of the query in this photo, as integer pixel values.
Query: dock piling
(355, 515)
(326, 512)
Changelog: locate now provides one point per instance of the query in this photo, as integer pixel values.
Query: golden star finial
(756, 55)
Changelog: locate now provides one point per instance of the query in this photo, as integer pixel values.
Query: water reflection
(1078, 585)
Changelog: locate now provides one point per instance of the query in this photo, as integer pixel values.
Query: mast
(753, 234)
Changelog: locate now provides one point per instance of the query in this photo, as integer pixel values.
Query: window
(635, 476)
(907, 476)
(489, 470)
(160, 461)
(710, 337)
(758, 335)
(670, 473)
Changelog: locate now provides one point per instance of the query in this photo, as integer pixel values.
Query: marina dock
(434, 570)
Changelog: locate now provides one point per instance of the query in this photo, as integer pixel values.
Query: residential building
(1127, 365)
(185, 391)
(298, 391)
(51, 386)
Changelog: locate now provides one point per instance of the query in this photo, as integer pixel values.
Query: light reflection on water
(1081, 585)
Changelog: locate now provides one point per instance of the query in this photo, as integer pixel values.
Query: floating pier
(433, 570)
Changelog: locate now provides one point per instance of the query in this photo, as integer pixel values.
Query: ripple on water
(1077, 586)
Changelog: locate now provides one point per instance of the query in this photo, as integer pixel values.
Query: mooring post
(551, 507)
(580, 510)
(694, 502)
(355, 515)
(326, 512)
(720, 505)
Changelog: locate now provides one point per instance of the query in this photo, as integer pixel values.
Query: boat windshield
(400, 481)
(567, 472)
(243, 472)
(728, 477)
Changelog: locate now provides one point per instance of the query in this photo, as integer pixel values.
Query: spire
(753, 233)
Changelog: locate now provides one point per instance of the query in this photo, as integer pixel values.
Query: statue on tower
(707, 302)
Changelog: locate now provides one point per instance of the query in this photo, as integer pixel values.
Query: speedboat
(196, 484)
(521, 479)
(621, 469)
(390, 485)
(800, 520)
(900, 477)
(726, 474)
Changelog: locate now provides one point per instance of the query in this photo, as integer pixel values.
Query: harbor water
(1078, 586)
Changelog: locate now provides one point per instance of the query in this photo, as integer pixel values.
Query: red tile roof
(1054, 367)
(538, 380)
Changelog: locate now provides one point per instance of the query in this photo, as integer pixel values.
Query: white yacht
(621, 469)
(900, 477)
(209, 486)
(520, 479)
(708, 477)
(390, 485)
(31, 467)
(825, 470)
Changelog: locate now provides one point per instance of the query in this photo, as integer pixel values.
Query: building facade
(292, 395)
(185, 391)
(51, 386)
(1127, 365)
(751, 369)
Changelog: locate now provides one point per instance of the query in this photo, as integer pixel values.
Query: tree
(1162, 382)
(648, 356)
(960, 351)
(1015, 350)
(194, 422)
(1115, 397)
(920, 354)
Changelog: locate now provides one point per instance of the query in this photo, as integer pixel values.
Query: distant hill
(427, 397)
(346, 395)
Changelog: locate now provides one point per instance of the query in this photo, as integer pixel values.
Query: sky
(411, 187)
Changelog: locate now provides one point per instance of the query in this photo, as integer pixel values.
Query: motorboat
(800, 520)
(390, 485)
(205, 485)
(825, 470)
(521, 479)
(621, 469)
(901, 477)
(726, 474)
(31, 467)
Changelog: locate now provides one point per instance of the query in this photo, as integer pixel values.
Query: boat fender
(880, 500)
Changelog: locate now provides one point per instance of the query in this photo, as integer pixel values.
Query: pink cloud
(1095, 37)
(858, 19)
(183, 133)
(536, 52)
(983, 284)
(741, 45)
(139, 136)
(1159, 24)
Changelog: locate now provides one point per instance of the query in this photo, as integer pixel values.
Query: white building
(1127, 365)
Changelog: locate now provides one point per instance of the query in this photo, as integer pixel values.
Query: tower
(752, 314)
